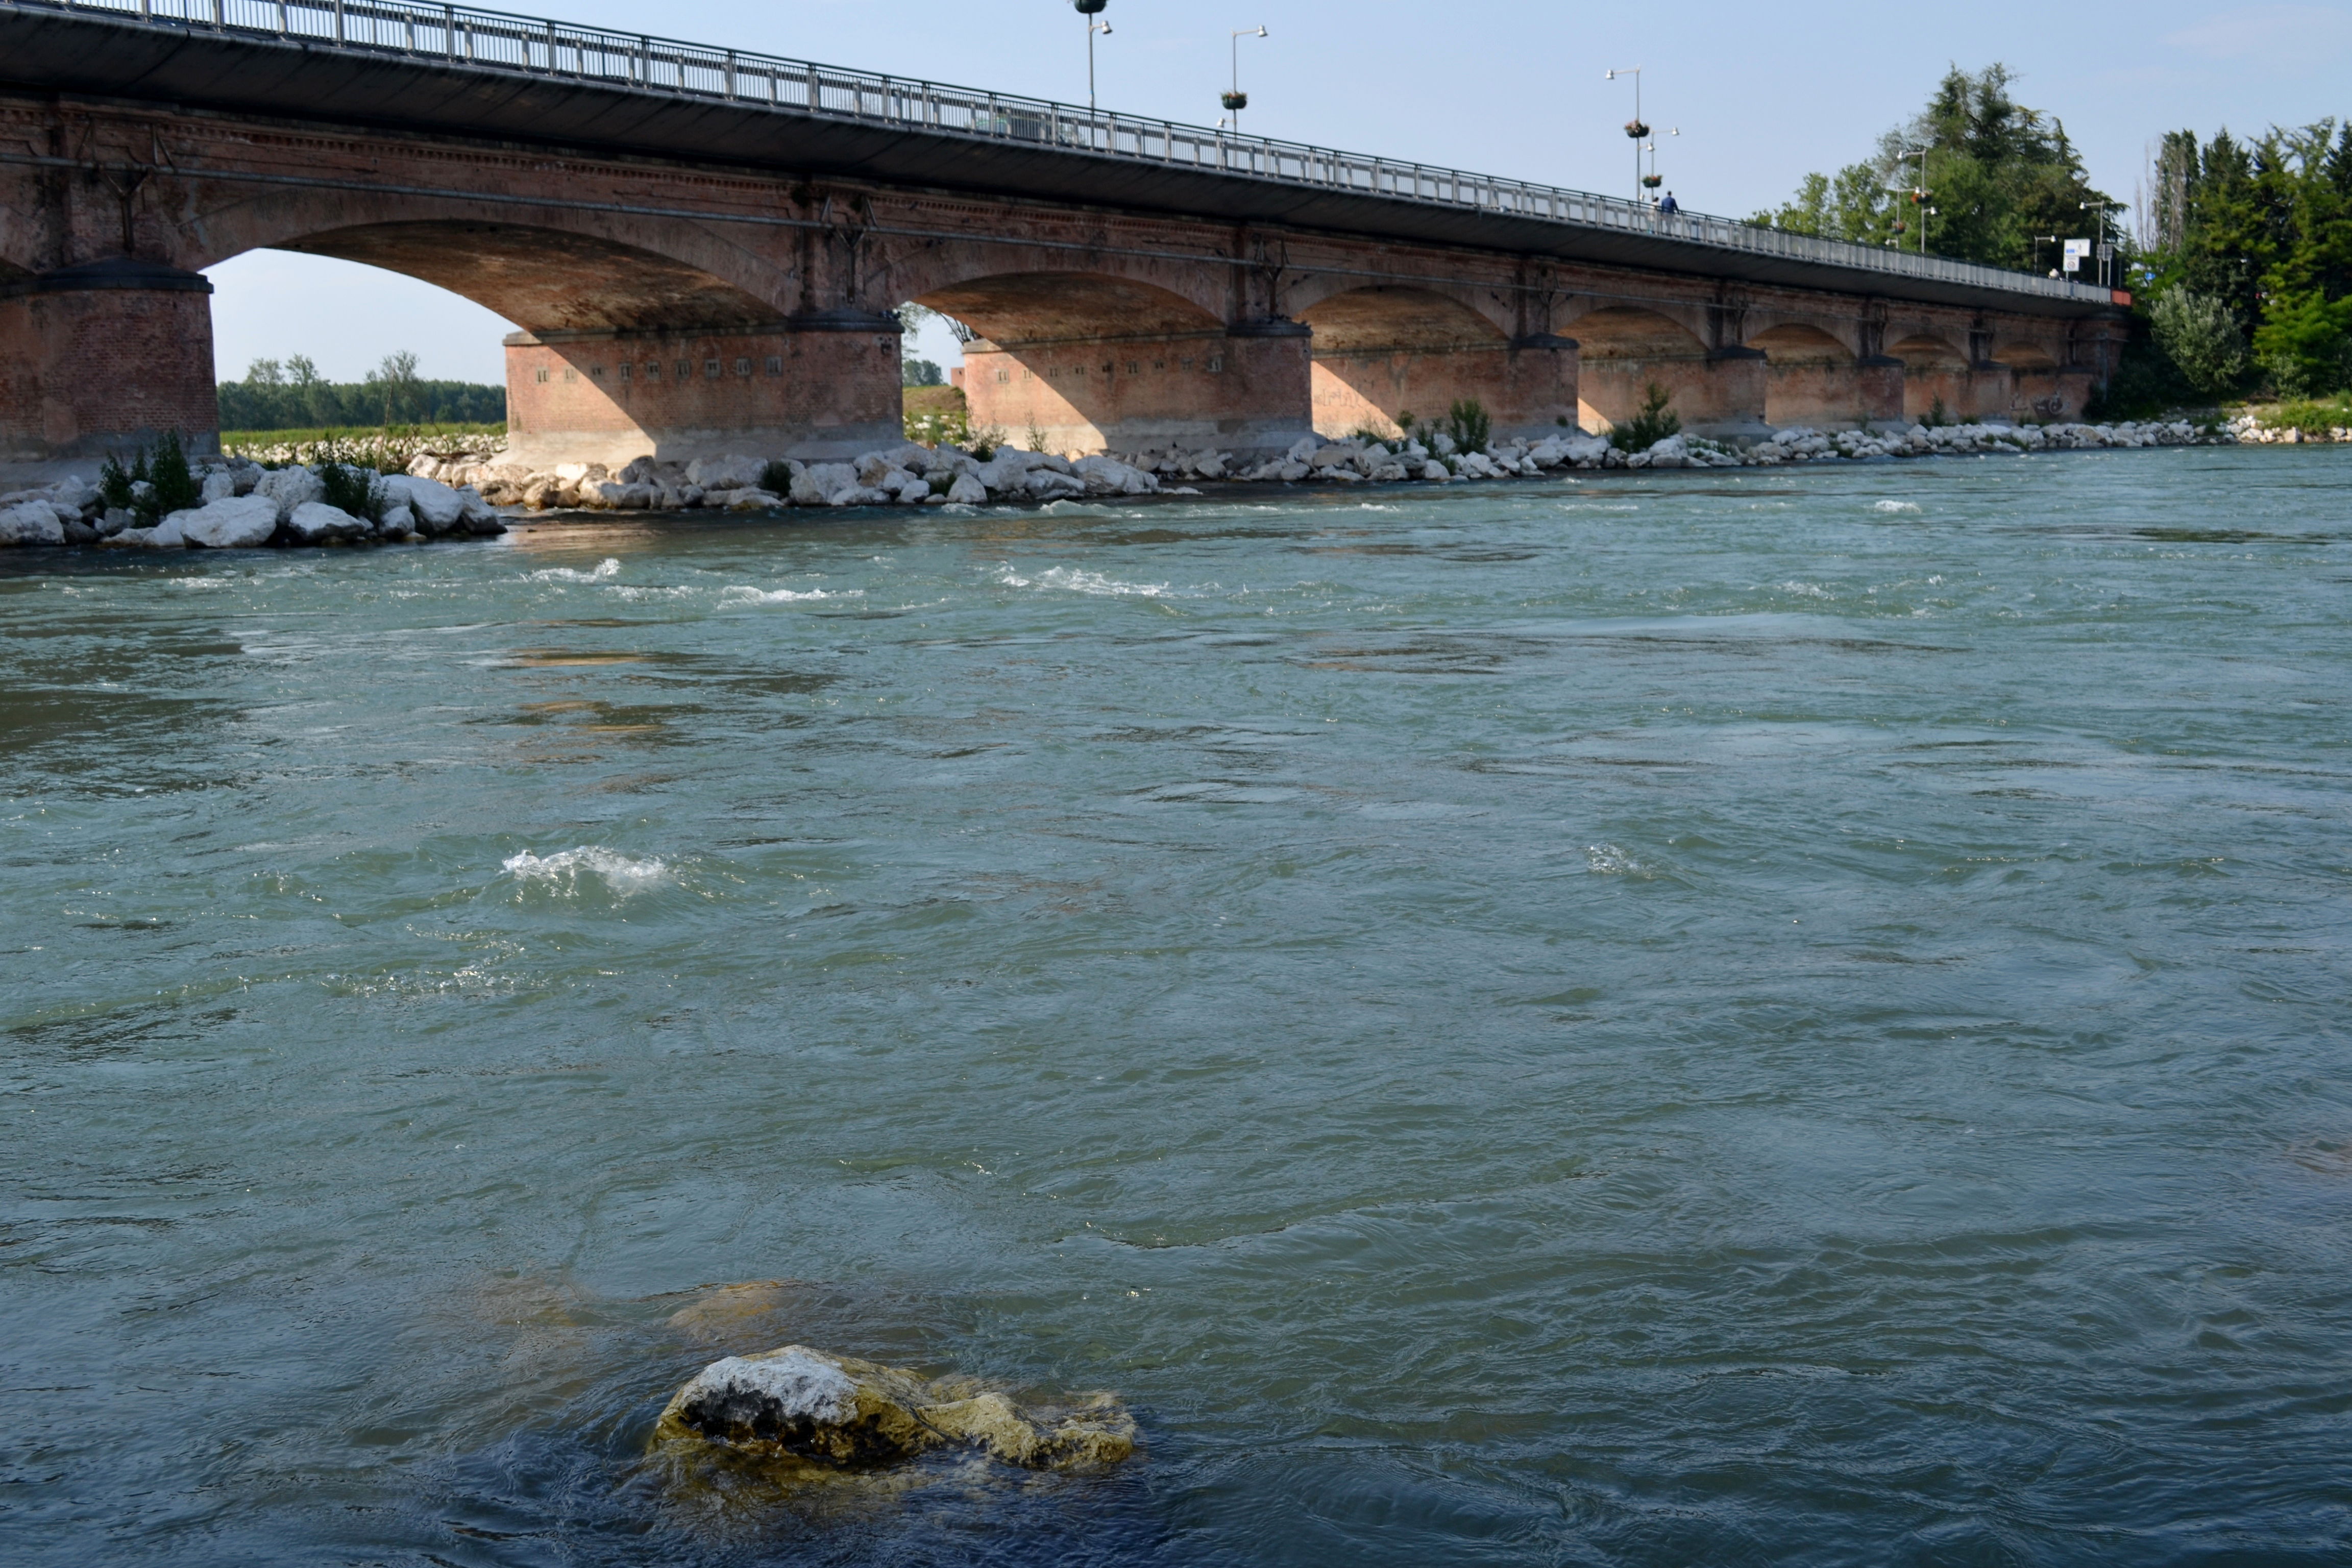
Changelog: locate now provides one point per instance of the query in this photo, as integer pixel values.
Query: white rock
(1435, 471)
(290, 488)
(398, 520)
(439, 509)
(915, 491)
(732, 472)
(968, 490)
(797, 1384)
(1106, 475)
(219, 485)
(315, 521)
(32, 522)
(1303, 450)
(240, 522)
(1047, 484)
(753, 498)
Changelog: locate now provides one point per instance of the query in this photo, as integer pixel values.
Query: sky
(1762, 94)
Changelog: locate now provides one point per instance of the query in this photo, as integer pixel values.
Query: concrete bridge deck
(639, 205)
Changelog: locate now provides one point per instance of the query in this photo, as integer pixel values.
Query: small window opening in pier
(1134, 367)
(1216, 364)
(743, 366)
(598, 372)
(685, 369)
(775, 364)
(1188, 364)
(571, 375)
(710, 369)
(1160, 364)
(626, 368)
(653, 370)
(542, 375)
(1004, 375)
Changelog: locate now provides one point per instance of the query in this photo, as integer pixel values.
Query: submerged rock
(823, 1413)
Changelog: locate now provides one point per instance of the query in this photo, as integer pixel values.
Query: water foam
(744, 593)
(1077, 580)
(617, 871)
(606, 570)
(1895, 506)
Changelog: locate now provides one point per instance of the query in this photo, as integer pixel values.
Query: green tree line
(290, 395)
(1982, 176)
(2247, 261)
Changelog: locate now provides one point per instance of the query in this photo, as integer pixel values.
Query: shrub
(1652, 424)
(352, 489)
(1468, 423)
(985, 441)
(2307, 347)
(170, 485)
(2197, 333)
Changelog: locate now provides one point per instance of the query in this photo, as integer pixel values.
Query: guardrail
(464, 38)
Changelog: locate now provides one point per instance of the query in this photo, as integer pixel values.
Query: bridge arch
(1383, 351)
(1070, 359)
(1811, 377)
(1623, 351)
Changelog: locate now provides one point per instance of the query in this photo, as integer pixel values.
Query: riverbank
(464, 494)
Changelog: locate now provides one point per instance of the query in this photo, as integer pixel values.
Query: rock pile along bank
(449, 496)
(246, 506)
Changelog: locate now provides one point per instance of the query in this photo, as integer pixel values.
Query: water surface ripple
(1798, 1019)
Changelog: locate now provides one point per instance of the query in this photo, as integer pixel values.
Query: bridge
(702, 247)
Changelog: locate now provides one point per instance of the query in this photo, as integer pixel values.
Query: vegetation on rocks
(157, 483)
(1649, 425)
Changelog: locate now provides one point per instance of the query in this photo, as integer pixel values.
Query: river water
(1791, 1018)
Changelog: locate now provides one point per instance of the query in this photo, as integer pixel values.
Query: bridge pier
(1244, 389)
(1527, 385)
(1725, 392)
(105, 355)
(814, 387)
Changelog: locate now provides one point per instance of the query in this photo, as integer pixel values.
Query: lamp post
(1233, 98)
(2106, 251)
(1091, 9)
(1634, 127)
(2039, 241)
(1653, 179)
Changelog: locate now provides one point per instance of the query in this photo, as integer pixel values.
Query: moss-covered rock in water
(837, 1412)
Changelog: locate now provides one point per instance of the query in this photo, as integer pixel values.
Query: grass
(2317, 418)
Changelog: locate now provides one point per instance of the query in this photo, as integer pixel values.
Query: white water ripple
(566, 868)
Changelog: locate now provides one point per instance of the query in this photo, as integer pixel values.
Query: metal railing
(466, 38)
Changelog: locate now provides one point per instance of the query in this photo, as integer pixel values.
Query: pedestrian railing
(465, 38)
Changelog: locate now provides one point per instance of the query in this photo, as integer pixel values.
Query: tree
(2201, 336)
(1996, 173)
(395, 382)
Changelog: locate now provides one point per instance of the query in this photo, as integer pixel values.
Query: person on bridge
(1667, 204)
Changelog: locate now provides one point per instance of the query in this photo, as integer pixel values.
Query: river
(1792, 1018)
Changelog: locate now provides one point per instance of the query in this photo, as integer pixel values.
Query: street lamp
(1233, 98)
(1653, 179)
(2039, 241)
(2106, 251)
(1091, 9)
(1634, 127)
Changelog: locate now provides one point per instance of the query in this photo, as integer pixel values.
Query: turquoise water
(1788, 1019)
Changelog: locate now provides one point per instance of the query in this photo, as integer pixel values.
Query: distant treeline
(291, 395)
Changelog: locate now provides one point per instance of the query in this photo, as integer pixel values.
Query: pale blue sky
(1762, 94)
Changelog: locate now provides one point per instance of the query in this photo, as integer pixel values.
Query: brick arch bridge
(702, 249)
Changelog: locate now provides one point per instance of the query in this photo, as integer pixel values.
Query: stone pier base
(809, 387)
(1528, 387)
(105, 356)
(1244, 390)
